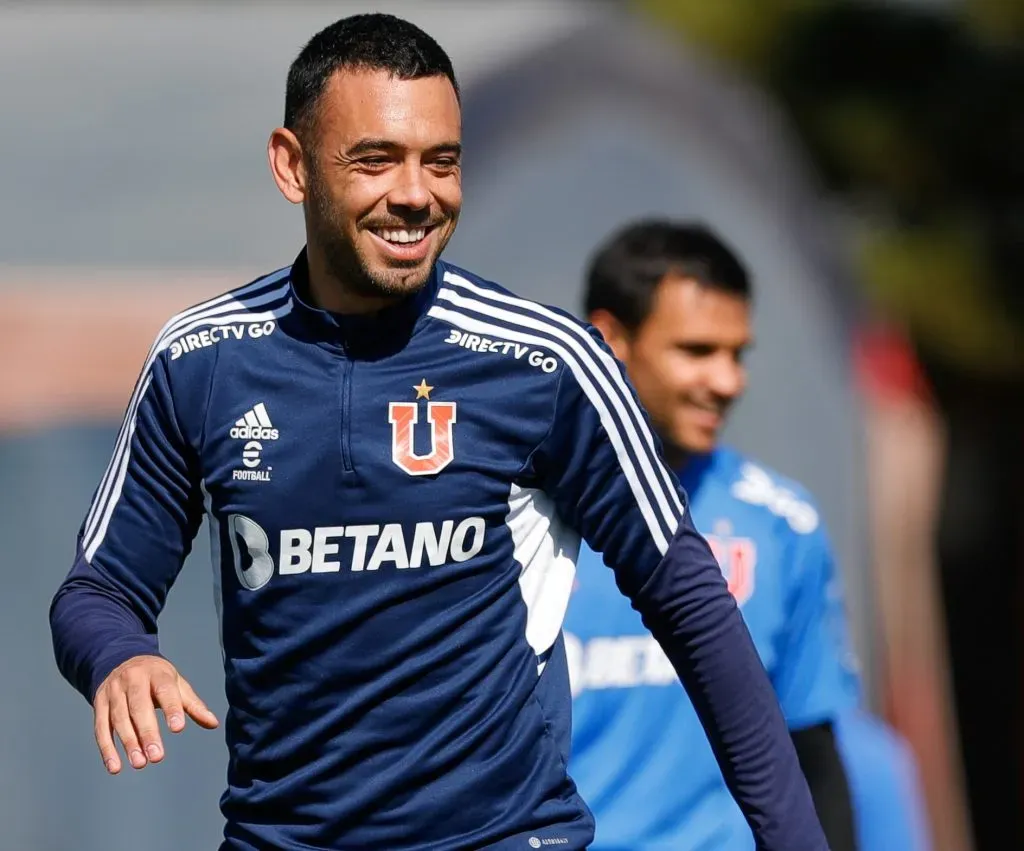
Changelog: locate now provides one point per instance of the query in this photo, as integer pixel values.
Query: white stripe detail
(251, 419)
(261, 414)
(477, 326)
(122, 471)
(671, 509)
(546, 549)
(113, 481)
(210, 307)
(213, 527)
(602, 358)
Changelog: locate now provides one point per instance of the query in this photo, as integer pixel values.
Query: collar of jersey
(695, 471)
(366, 334)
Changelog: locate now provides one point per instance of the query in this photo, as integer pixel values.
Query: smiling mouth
(716, 411)
(402, 236)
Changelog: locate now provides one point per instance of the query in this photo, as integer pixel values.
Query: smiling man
(398, 460)
(675, 304)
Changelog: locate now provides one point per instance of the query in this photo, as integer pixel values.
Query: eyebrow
(366, 146)
(447, 148)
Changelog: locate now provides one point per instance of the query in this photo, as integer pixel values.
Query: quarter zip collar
(694, 470)
(360, 334)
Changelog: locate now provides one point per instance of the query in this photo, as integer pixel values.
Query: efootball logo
(255, 425)
(252, 428)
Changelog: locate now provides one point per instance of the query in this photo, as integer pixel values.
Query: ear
(613, 331)
(284, 152)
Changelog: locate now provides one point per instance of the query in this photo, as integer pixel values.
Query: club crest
(404, 416)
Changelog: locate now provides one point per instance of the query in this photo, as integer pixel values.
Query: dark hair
(628, 266)
(374, 42)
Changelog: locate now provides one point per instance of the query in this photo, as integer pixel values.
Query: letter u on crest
(403, 417)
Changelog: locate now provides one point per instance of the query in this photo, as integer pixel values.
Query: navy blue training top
(396, 505)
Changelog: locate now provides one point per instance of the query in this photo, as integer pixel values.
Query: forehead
(682, 307)
(359, 104)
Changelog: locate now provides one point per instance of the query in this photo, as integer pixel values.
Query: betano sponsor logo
(354, 548)
(617, 661)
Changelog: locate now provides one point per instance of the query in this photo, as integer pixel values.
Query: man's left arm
(601, 465)
(815, 676)
(818, 751)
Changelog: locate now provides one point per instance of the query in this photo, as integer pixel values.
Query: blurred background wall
(864, 158)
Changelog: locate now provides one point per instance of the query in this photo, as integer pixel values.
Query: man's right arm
(131, 546)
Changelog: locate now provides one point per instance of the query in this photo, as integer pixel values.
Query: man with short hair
(674, 303)
(398, 459)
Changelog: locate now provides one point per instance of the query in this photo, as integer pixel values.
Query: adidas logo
(255, 425)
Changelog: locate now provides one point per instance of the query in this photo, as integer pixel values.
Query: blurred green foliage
(743, 31)
(915, 116)
(997, 21)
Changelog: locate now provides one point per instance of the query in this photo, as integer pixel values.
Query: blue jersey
(396, 504)
(888, 801)
(639, 753)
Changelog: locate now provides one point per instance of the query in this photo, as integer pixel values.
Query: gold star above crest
(422, 389)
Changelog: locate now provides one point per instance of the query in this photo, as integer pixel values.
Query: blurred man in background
(674, 303)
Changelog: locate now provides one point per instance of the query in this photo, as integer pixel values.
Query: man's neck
(675, 457)
(329, 293)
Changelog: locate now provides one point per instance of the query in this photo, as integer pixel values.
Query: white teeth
(394, 235)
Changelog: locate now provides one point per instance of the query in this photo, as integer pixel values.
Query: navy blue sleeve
(132, 543)
(601, 465)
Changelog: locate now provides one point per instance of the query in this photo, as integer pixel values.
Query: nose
(410, 190)
(727, 378)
